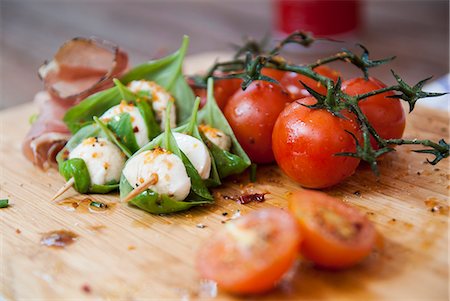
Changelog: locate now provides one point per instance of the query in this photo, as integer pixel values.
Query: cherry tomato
(273, 73)
(336, 235)
(305, 142)
(252, 114)
(291, 82)
(223, 90)
(252, 253)
(385, 114)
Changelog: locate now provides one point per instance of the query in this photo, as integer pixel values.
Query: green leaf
(167, 72)
(76, 168)
(154, 203)
(4, 203)
(228, 163)
(32, 119)
(149, 117)
(191, 129)
(122, 126)
(125, 93)
(103, 189)
(95, 105)
(111, 137)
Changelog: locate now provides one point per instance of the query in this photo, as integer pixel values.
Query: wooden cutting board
(125, 253)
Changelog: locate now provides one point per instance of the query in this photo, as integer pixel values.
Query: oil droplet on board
(58, 238)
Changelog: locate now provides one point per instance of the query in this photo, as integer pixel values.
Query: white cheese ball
(197, 153)
(172, 178)
(216, 136)
(137, 120)
(103, 159)
(160, 99)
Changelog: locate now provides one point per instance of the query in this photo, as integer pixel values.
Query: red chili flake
(135, 129)
(18, 231)
(254, 197)
(86, 288)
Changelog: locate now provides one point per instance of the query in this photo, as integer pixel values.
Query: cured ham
(80, 68)
(48, 134)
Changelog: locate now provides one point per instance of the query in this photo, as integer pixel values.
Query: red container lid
(321, 17)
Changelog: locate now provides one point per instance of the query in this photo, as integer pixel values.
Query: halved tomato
(252, 253)
(336, 235)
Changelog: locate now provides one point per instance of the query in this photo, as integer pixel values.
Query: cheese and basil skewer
(138, 124)
(160, 177)
(90, 162)
(226, 151)
(103, 159)
(216, 136)
(166, 170)
(160, 99)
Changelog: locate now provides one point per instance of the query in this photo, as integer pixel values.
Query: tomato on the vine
(336, 235)
(223, 90)
(252, 253)
(305, 142)
(291, 82)
(386, 115)
(273, 73)
(252, 114)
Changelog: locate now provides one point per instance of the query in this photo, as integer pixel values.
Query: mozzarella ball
(197, 153)
(160, 99)
(172, 178)
(137, 120)
(216, 136)
(103, 159)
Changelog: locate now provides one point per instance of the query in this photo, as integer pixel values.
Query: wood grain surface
(127, 254)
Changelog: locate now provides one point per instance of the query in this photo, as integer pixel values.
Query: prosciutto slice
(48, 134)
(80, 68)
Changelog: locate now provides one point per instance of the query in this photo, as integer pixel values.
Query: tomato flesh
(305, 142)
(336, 235)
(252, 253)
(252, 114)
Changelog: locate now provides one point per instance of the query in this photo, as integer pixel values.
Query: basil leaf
(95, 105)
(103, 189)
(121, 125)
(228, 163)
(169, 143)
(4, 203)
(191, 129)
(167, 72)
(76, 168)
(149, 117)
(111, 137)
(152, 202)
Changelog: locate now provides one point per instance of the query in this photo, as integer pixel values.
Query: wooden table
(125, 253)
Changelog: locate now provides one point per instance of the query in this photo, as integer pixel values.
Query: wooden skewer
(141, 188)
(63, 189)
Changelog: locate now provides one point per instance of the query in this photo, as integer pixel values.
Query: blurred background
(417, 32)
